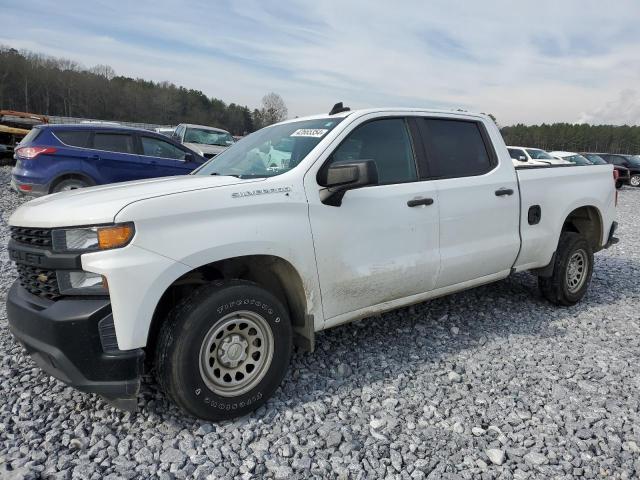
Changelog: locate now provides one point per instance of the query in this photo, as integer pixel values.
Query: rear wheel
(573, 266)
(69, 184)
(224, 350)
(619, 185)
(635, 180)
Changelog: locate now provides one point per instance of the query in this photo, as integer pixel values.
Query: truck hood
(205, 149)
(96, 205)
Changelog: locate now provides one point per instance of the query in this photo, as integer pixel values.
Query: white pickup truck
(209, 279)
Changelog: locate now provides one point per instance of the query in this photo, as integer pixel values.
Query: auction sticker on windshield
(309, 132)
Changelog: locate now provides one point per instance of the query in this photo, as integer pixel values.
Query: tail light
(32, 152)
(616, 175)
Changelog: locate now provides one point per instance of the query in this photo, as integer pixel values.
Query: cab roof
(366, 111)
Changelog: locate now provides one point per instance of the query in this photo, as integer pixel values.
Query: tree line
(575, 137)
(47, 85)
(42, 84)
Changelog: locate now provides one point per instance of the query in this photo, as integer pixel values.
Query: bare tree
(273, 109)
(104, 71)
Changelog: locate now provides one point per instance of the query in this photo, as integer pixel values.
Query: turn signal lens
(116, 236)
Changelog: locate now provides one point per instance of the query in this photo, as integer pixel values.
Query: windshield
(595, 159)
(538, 154)
(577, 159)
(271, 151)
(634, 160)
(205, 136)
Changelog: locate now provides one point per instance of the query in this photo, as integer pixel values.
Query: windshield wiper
(225, 174)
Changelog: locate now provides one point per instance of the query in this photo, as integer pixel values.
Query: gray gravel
(490, 383)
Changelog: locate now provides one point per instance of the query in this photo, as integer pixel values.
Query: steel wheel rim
(635, 181)
(577, 270)
(236, 353)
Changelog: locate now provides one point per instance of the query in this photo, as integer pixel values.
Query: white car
(572, 157)
(209, 279)
(166, 131)
(206, 141)
(536, 155)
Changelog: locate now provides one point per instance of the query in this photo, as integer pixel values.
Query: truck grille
(37, 237)
(38, 281)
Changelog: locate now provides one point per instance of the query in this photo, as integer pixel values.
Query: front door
(378, 246)
(164, 159)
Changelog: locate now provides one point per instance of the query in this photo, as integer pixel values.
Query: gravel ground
(490, 383)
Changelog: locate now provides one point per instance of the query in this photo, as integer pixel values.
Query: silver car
(207, 141)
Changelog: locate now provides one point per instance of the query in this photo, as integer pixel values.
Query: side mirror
(340, 177)
(189, 157)
(522, 158)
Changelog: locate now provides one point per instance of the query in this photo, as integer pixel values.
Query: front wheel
(635, 180)
(224, 350)
(573, 266)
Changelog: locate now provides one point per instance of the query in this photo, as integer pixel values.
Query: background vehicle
(207, 141)
(166, 131)
(572, 157)
(624, 176)
(374, 210)
(14, 126)
(54, 158)
(631, 162)
(527, 154)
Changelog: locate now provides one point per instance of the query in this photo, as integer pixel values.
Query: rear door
(164, 159)
(478, 200)
(114, 157)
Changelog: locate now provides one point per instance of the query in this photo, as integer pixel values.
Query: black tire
(619, 185)
(635, 180)
(69, 184)
(561, 287)
(184, 339)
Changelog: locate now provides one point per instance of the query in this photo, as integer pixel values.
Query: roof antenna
(337, 108)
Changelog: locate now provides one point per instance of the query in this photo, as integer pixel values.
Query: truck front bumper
(72, 340)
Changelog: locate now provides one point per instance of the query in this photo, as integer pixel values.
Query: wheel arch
(69, 176)
(273, 273)
(586, 220)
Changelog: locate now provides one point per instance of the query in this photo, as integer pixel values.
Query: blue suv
(54, 158)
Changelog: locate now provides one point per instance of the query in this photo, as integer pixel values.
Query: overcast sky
(524, 61)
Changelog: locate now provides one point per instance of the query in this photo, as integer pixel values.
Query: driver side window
(155, 147)
(386, 142)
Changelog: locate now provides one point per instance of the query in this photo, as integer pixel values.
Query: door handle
(504, 191)
(94, 157)
(414, 202)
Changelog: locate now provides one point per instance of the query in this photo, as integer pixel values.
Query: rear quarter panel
(559, 191)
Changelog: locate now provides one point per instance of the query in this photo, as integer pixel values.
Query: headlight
(72, 282)
(92, 238)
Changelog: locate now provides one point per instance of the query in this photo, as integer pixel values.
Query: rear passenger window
(387, 142)
(113, 142)
(74, 138)
(455, 148)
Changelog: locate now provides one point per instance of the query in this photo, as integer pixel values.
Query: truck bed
(550, 187)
